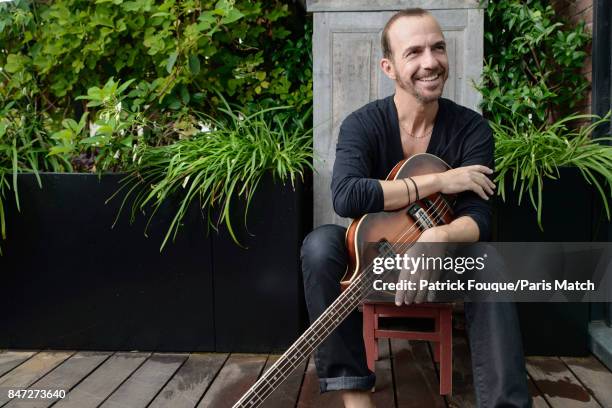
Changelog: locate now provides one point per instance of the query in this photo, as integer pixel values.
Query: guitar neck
(303, 347)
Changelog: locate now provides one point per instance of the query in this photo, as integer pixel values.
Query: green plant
(111, 137)
(527, 154)
(533, 63)
(171, 57)
(531, 79)
(173, 53)
(24, 144)
(225, 161)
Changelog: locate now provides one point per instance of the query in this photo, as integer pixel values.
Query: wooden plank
(30, 371)
(144, 383)
(538, 400)
(559, 386)
(64, 377)
(11, 359)
(384, 394)
(310, 395)
(190, 382)
(287, 394)
(463, 382)
(594, 376)
(97, 386)
(239, 372)
(415, 376)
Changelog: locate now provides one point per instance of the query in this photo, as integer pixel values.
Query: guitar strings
(284, 366)
(362, 285)
(281, 367)
(409, 231)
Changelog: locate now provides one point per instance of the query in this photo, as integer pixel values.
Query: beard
(410, 87)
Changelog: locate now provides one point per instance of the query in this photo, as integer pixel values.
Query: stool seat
(442, 336)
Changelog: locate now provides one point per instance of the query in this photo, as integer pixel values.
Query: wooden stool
(442, 336)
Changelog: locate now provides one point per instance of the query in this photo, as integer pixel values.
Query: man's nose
(429, 61)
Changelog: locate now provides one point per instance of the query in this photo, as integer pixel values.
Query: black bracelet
(407, 189)
(416, 189)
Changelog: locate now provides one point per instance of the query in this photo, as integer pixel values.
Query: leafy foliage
(227, 160)
(532, 63)
(87, 85)
(527, 154)
(175, 50)
(175, 55)
(21, 150)
(111, 136)
(531, 80)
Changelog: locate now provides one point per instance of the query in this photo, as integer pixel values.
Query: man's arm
(470, 178)
(354, 192)
(470, 181)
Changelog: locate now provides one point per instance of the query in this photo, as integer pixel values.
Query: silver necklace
(427, 134)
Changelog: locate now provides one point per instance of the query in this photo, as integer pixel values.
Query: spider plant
(24, 144)
(528, 154)
(226, 159)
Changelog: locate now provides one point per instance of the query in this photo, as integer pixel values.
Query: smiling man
(416, 119)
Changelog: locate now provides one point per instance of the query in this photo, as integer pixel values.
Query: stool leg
(368, 335)
(436, 344)
(446, 352)
(376, 354)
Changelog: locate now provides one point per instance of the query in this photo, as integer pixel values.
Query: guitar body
(401, 226)
(388, 229)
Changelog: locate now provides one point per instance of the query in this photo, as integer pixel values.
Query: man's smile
(430, 78)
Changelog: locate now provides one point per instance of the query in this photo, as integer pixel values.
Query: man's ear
(387, 68)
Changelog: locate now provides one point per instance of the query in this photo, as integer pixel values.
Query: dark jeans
(495, 340)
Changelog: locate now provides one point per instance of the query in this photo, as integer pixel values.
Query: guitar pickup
(385, 248)
(420, 216)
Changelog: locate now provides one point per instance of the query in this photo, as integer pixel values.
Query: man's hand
(437, 238)
(472, 178)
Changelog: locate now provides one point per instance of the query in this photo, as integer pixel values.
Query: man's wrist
(438, 182)
(435, 234)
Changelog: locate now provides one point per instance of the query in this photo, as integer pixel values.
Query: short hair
(409, 12)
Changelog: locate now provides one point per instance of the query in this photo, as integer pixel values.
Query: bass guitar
(392, 232)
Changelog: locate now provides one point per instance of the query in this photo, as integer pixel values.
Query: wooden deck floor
(406, 377)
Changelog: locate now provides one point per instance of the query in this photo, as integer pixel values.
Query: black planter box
(568, 216)
(70, 281)
(259, 297)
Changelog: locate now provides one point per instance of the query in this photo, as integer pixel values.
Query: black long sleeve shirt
(369, 146)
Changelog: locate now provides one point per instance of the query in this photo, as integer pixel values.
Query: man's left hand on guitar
(431, 243)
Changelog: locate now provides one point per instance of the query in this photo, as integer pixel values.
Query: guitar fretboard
(357, 291)
(309, 340)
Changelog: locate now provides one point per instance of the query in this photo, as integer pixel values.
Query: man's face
(419, 63)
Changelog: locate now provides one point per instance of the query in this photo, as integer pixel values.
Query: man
(371, 141)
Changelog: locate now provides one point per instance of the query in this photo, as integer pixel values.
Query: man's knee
(323, 251)
(494, 266)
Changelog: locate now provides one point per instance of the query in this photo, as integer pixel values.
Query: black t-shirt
(369, 146)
